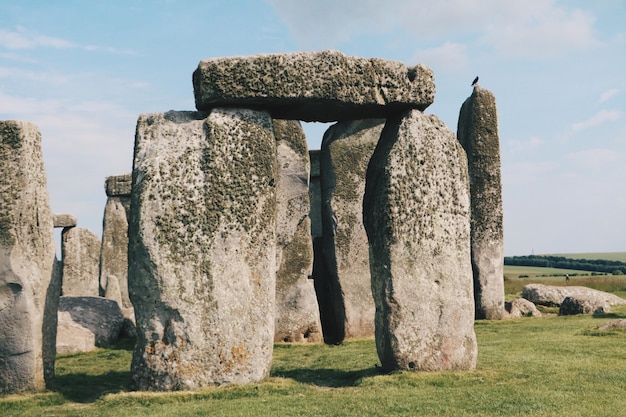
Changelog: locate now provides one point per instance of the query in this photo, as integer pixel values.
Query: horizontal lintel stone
(64, 220)
(313, 86)
(118, 185)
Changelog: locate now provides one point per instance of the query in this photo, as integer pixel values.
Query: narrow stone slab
(416, 212)
(64, 220)
(346, 151)
(202, 248)
(313, 86)
(297, 313)
(118, 185)
(81, 262)
(478, 133)
(26, 262)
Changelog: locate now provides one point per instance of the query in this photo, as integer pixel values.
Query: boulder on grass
(576, 305)
(553, 296)
(86, 323)
(521, 308)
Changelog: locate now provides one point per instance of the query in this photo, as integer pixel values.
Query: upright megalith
(114, 248)
(297, 313)
(416, 212)
(27, 297)
(345, 153)
(80, 249)
(478, 133)
(313, 86)
(202, 248)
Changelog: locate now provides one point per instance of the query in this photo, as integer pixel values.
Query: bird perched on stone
(475, 81)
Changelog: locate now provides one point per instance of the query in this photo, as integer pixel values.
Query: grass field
(550, 366)
(556, 366)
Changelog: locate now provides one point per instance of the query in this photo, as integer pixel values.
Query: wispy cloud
(607, 95)
(529, 144)
(21, 38)
(600, 118)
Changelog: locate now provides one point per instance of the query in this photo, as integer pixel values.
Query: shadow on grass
(332, 378)
(82, 388)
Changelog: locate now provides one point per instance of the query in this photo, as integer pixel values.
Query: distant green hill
(609, 256)
(579, 262)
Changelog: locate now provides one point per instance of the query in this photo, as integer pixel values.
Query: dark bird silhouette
(475, 81)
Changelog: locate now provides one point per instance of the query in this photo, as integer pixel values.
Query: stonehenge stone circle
(345, 153)
(478, 133)
(202, 248)
(114, 250)
(80, 250)
(27, 258)
(313, 86)
(297, 312)
(416, 212)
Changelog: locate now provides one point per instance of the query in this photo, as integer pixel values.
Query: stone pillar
(28, 295)
(297, 313)
(346, 151)
(202, 248)
(416, 212)
(80, 250)
(478, 133)
(114, 250)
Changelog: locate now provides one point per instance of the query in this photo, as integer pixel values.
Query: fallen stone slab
(553, 296)
(86, 323)
(313, 86)
(64, 220)
(571, 306)
(521, 307)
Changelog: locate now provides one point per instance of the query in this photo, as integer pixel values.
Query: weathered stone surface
(576, 305)
(118, 185)
(64, 220)
(315, 194)
(80, 249)
(297, 313)
(202, 250)
(346, 151)
(86, 323)
(114, 248)
(416, 212)
(478, 133)
(521, 307)
(553, 296)
(313, 86)
(26, 261)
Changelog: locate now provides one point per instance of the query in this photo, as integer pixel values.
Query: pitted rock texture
(553, 296)
(576, 305)
(114, 248)
(520, 307)
(416, 212)
(64, 220)
(81, 262)
(86, 323)
(202, 249)
(118, 185)
(345, 153)
(26, 262)
(478, 133)
(297, 313)
(313, 86)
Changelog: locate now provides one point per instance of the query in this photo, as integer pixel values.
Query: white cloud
(529, 144)
(23, 39)
(449, 56)
(600, 118)
(535, 28)
(607, 95)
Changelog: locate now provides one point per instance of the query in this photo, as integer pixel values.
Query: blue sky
(84, 70)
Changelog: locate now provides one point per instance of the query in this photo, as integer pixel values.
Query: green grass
(556, 366)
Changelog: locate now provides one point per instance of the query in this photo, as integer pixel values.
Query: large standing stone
(346, 151)
(27, 330)
(416, 212)
(114, 251)
(313, 86)
(478, 133)
(80, 248)
(297, 313)
(202, 250)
